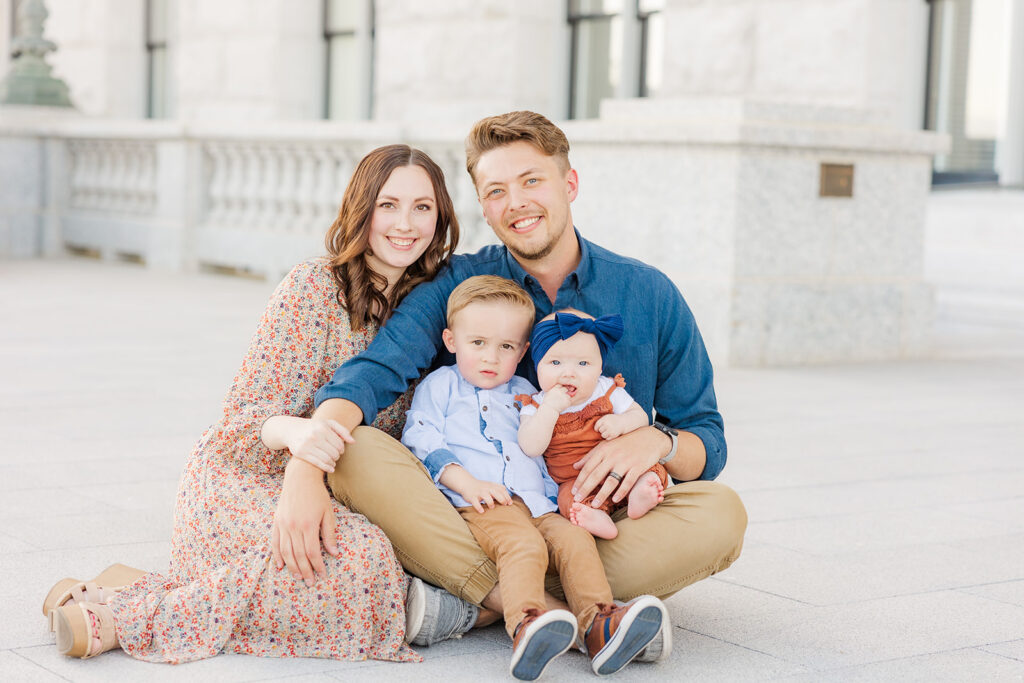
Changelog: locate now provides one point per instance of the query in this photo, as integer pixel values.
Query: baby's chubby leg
(646, 493)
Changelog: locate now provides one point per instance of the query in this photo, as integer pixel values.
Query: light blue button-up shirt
(453, 422)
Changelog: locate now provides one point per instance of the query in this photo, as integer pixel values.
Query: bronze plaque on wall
(836, 180)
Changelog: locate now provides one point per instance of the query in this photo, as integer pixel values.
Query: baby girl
(577, 408)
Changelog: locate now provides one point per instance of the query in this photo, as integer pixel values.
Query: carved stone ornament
(29, 80)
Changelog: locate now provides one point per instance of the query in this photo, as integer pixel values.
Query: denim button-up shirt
(453, 422)
(661, 354)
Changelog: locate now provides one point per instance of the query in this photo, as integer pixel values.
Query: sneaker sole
(656, 651)
(549, 641)
(415, 606)
(637, 631)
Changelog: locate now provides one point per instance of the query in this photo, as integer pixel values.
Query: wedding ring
(615, 475)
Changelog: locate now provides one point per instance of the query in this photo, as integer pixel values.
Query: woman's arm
(286, 360)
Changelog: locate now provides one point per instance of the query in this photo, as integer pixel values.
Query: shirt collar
(575, 278)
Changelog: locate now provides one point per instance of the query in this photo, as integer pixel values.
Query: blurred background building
(774, 157)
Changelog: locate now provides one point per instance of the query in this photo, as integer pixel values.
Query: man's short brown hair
(486, 288)
(516, 126)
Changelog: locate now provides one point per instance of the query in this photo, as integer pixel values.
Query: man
(520, 168)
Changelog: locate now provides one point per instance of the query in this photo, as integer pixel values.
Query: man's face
(525, 198)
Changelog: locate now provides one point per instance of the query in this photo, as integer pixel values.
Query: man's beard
(532, 255)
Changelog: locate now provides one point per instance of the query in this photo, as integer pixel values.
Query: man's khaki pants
(695, 532)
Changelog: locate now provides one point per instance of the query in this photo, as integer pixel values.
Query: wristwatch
(665, 429)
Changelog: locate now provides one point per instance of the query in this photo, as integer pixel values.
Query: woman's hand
(319, 442)
(304, 515)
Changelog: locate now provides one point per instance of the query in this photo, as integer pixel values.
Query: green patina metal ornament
(29, 80)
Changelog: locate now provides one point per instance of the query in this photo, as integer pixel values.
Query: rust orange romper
(572, 438)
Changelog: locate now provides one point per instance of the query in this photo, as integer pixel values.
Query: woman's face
(403, 223)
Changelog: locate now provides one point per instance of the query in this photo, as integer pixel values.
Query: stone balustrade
(179, 196)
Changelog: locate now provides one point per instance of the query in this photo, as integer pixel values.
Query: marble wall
(862, 53)
(461, 60)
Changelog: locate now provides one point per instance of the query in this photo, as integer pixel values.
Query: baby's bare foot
(595, 521)
(647, 492)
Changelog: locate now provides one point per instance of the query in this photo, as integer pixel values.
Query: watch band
(664, 429)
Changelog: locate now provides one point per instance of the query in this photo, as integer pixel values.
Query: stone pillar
(21, 195)
(1010, 149)
(169, 245)
(32, 181)
(237, 59)
(860, 53)
(6, 31)
(455, 62)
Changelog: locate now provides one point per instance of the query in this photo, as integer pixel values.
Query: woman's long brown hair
(360, 288)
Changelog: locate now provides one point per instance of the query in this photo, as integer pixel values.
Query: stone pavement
(886, 500)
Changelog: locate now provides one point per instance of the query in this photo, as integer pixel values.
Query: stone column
(1010, 149)
(455, 62)
(21, 195)
(861, 53)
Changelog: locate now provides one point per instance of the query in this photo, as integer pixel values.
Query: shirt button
(507, 459)
(484, 409)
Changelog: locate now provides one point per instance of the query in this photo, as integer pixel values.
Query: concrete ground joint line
(15, 651)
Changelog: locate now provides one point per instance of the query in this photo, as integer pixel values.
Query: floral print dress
(223, 592)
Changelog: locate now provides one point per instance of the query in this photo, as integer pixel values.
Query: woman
(227, 589)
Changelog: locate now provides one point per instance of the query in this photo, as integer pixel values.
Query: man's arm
(403, 348)
(684, 399)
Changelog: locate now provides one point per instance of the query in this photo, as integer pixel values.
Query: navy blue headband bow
(607, 330)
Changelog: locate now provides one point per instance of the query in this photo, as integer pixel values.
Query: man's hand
(629, 456)
(304, 514)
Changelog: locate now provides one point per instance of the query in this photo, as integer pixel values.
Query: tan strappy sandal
(79, 624)
(99, 590)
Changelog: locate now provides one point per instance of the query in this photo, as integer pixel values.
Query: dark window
(615, 51)
(158, 104)
(348, 35)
